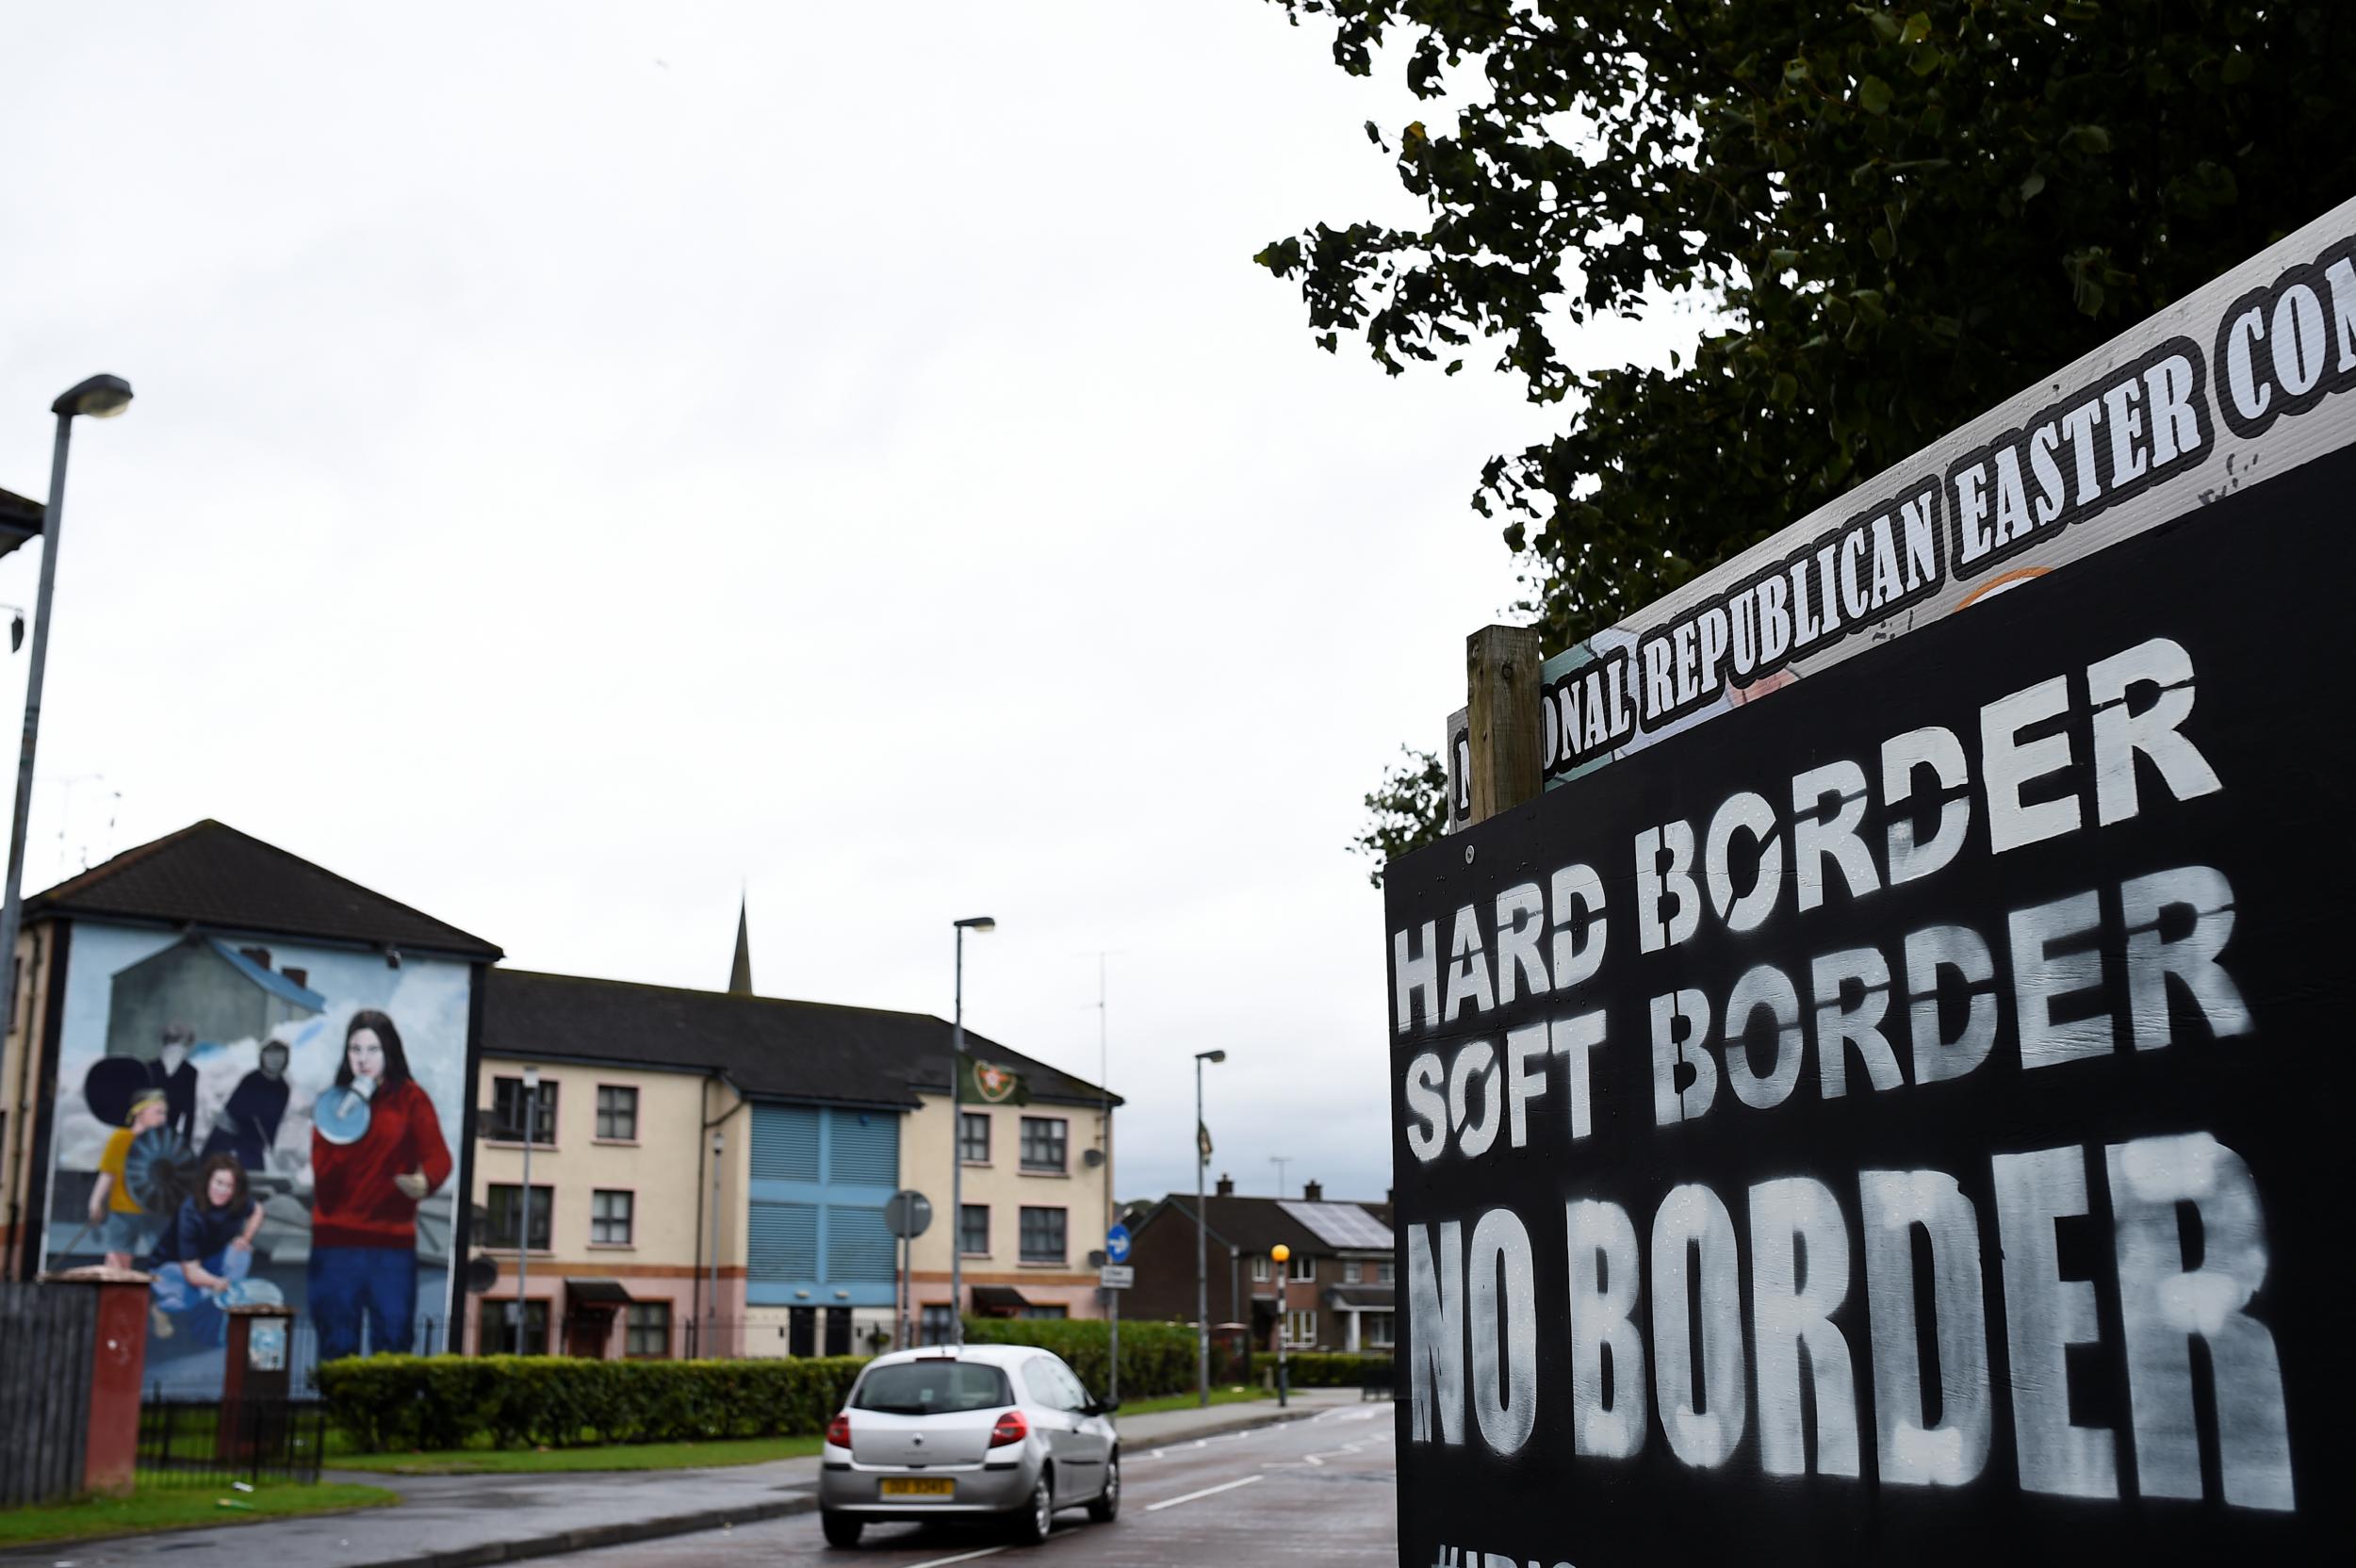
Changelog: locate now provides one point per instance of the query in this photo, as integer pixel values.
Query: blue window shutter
(860, 1247)
(785, 1143)
(865, 1148)
(784, 1241)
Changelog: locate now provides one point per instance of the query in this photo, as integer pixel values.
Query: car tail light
(1011, 1428)
(839, 1431)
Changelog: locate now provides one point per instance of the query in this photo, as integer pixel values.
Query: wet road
(1313, 1492)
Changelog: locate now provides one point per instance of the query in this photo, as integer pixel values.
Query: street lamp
(99, 398)
(523, 1242)
(978, 924)
(1280, 1254)
(1201, 1238)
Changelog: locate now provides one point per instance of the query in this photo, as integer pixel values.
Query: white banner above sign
(2237, 383)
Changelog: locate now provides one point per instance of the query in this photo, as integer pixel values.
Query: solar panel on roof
(1340, 1225)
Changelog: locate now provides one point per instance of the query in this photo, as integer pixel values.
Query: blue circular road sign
(1117, 1244)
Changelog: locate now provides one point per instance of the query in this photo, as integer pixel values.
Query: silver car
(968, 1432)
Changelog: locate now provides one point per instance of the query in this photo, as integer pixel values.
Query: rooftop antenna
(1279, 1162)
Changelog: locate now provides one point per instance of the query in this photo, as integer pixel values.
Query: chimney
(259, 957)
(1313, 1192)
(300, 977)
(1226, 1187)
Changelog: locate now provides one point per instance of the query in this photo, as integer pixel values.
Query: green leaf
(2239, 68)
(2088, 138)
(1918, 27)
(1873, 95)
(2034, 183)
(1883, 243)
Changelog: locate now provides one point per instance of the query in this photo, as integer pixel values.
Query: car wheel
(1107, 1505)
(842, 1528)
(1036, 1518)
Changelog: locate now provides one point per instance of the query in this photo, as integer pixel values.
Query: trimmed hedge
(1325, 1368)
(1155, 1358)
(436, 1402)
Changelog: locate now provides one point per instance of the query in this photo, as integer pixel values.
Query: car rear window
(932, 1387)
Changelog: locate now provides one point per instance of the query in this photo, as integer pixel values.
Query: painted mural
(253, 1124)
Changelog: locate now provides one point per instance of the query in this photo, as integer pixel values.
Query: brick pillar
(117, 1362)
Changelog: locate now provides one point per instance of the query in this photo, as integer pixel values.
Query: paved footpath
(462, 1521)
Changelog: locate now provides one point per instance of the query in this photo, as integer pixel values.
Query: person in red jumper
(364, 1196)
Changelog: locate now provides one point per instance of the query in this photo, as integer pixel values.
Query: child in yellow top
(123, 1228)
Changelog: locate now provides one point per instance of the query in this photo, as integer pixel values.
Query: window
(500, 1338)
(1301, 1327)
(974, 1137)
(1382, 1274)
(1302, 1268)
(1048, 1309)
(507, 1112)
(973, 1231)
(1259, 1270)
(1353, 1273)
(646, 1330)
(1377, 1329)
(507, 1216)
(610, 1216)
(1043, 1141)
(939, 1323)
(1042, 1235)
(932, 1385)
(617, 1113)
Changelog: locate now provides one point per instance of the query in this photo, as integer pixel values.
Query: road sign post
(1116, 1254)
(906, 1215)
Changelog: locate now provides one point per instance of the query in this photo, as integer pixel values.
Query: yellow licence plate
(918, 1488)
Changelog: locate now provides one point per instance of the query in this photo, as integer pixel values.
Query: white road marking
(961, 1556)
(1173, 1502)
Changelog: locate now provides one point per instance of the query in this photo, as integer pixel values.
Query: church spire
(741, 971)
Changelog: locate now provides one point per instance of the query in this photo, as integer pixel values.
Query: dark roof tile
(767, 1046)
(211, 875)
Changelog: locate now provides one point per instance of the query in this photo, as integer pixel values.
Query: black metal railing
(209, 1442)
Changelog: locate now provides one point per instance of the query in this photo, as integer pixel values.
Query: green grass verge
(1188, 1401)
(615, 1456)
(179, 1507)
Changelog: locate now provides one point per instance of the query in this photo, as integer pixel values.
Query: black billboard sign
(1908, 1121)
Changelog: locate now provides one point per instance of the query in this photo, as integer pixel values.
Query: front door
(589, 1333)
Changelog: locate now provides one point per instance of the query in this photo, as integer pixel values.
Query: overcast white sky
(589, 458)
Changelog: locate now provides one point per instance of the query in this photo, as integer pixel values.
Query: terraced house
(710, 1171)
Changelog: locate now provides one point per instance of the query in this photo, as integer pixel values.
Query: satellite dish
(1091, 1157)
(482, 1274)
(158, 1170)
(341, 1115)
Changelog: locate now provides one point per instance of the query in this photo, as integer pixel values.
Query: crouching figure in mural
(203, 1258)
(371, 1165)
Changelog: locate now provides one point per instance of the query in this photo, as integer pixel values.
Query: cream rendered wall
(1083, 1191)
(662, 1168)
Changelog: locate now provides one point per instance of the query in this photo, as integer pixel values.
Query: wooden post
(1501, 688)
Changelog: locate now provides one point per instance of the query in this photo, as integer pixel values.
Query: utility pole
(1104, 1083)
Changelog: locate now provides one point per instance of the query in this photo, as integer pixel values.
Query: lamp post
(100, 397)
(1202, 1239)
(1280, 1254)
(977, 924)
(523, 1240)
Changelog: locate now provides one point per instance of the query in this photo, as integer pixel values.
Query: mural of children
(249, 1124)
(364, 1196)
(204, 1255)
(124, 1229)
(173, 1073)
